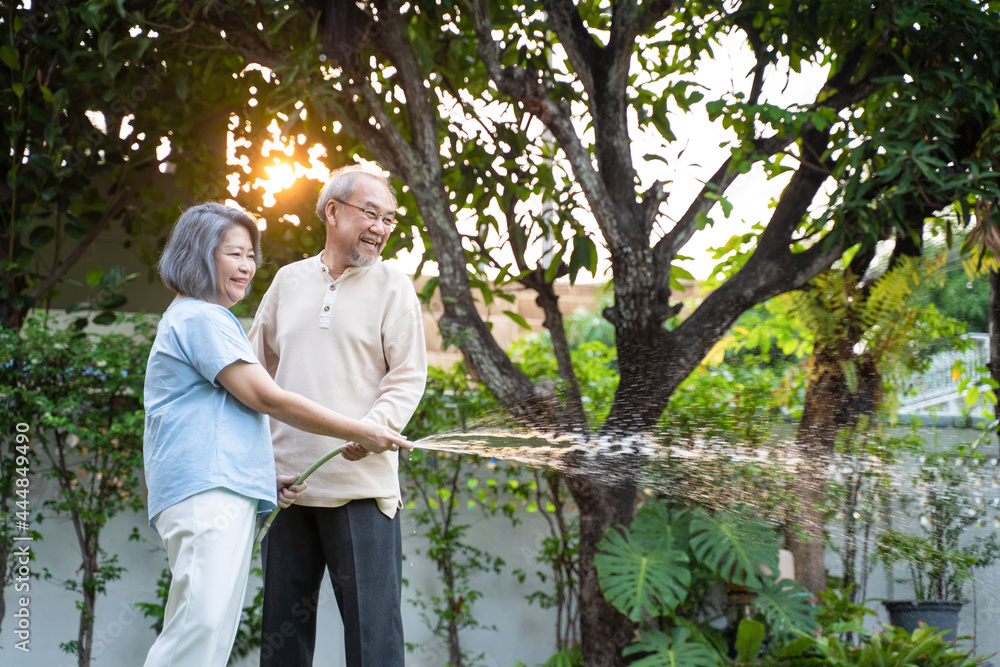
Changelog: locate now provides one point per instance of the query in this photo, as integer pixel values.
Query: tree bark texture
(604, 631)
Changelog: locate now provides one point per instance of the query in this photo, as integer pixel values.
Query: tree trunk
(826, 396)
(805, 534)
(85, 636)
(454, 642)
(604, 631)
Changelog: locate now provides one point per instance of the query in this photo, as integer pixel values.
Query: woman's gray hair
(187, 265)
(342, 183)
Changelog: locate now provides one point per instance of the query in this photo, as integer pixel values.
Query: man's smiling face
(356, 240)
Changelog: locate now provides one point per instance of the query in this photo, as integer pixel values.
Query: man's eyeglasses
(388, 220)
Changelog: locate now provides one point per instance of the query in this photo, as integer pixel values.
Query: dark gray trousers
(361, 548)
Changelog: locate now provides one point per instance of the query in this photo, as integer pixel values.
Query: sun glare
(283, 173)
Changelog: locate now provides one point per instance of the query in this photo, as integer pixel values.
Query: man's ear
(331, 211)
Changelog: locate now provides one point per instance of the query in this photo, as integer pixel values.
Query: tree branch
(582, 51)
(423, 115)
(549, 303)
(671, 243)
(527, 88)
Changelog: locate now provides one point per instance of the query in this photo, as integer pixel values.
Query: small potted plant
(939, 560)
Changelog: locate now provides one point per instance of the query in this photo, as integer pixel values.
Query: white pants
(209, 540)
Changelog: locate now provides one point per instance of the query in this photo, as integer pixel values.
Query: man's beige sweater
(355, 345)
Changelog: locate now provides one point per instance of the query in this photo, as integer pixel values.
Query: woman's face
(234, 266)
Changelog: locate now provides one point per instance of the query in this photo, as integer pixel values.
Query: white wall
(122, 634)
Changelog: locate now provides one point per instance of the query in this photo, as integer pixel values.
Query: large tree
(525, 128)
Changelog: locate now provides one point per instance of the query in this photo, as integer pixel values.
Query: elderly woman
(207, 447)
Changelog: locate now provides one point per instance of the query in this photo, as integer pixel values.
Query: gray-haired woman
(207, 448)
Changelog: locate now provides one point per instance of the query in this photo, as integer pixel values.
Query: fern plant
(648, 570)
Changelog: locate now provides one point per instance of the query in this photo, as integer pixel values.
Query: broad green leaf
(657, 526)
(674, 650)
(786, 606)
(734, 547)
(637, 581)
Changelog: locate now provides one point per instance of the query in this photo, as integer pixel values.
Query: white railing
(937, 384)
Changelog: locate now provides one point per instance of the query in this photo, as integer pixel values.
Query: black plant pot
(941, 614)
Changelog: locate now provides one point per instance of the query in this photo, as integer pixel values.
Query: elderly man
(344, 329)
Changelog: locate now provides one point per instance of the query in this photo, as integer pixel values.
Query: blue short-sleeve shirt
(198, 436)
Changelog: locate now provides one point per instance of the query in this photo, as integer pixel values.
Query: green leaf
(424, 55)
(657, 526)
(105, 43)
(786, 606)
(727, 206)
(797, 647)
(715, 108)
(94, 275)
(18, 89)
(749, 639)
(673, 650)
(41, 236)
(584, 256)
(734, 547)
(972, 395)
(637, 581)
(523, 323)
(105, 318)
(9, 57)
(112, 301)
(427, 293)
